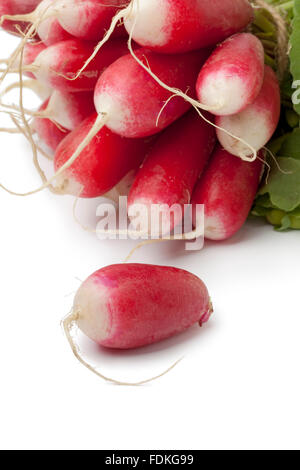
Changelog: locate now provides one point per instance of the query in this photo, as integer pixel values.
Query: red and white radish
(255, 124)
(88, 19)
(227, 189)
(58, 64)
(232, 77)
(132, 100)
(101, 164)
(50, 31)
(48, 132)
(69, 109)
(171, 170)
(84, 19)
(126, 306)
(16, 7)
(30, 53)
(175, 26)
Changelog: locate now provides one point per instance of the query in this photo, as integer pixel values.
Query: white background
(238, 386)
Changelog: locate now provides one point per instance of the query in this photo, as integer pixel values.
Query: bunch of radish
(176, 91)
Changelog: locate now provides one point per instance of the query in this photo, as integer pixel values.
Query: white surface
(238, 386)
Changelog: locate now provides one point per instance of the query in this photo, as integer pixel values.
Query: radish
(227, 189)
(172, 168)
(232, 77)
(51, 32)
(16, 7)
(88, 19)
(132, 101)
(103, 162)
(84, 19)
(57, 65)
(69, 109)
(183, 25)
(49, 133)
(255, 124)
(127, 306)
(30, 53)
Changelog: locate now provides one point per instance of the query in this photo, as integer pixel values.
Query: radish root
(69, 323)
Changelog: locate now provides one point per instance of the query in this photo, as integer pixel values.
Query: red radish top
(133, 100)
(67, 57)
(173, 166)
(227, 189)
(102, 164)
(173, 26)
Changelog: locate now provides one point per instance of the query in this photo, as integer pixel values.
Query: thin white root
(193, 235)
(10, 130)
(99, 123)
(36, 20)
(284, 172)
(69, 323)
(41, 90)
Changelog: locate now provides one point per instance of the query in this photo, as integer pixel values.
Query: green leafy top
(279, 198)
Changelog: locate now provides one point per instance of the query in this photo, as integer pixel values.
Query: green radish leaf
(283, 185)
(291, 145)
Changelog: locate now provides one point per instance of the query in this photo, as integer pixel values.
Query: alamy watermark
(151, 222)
(296, 94)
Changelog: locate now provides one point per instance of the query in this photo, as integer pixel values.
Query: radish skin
(256, 123)
(84, 19)
(133, 101)
(132, 305)
(232, 77)
(176, 26)
(89, 19)
(65, 58)
(50, 31)
(16, 7)
(30, 53)
(70, 109)
(102, 164)
(48, 132)
(227, 189)
(171, 170)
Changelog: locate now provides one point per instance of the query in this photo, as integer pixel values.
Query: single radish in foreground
(16, 7)
(63, 59)
(48, 132)
(132, 101)
(102, 163)
(255, 124)
(127, 306)
(227, 189)
(232, 77)
(170, 172)
(183, 25)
